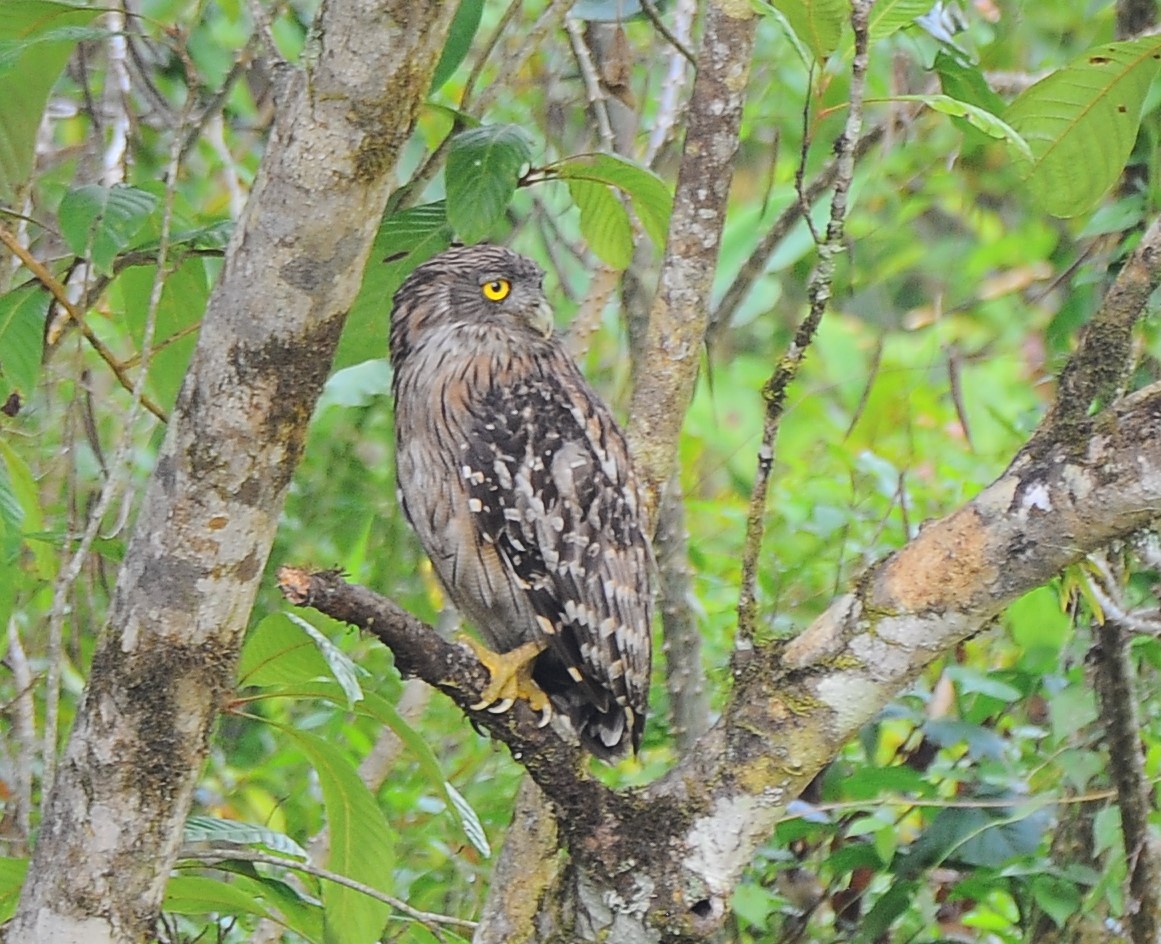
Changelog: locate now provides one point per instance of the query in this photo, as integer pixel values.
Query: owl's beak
(541, 317)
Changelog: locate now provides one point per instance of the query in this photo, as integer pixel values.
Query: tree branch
(679, 315)
(691, 833)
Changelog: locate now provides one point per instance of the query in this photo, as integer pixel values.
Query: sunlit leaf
(340, 665)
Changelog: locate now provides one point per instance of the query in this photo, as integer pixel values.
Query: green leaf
(356, 386)
(604, 222)
(202, 832)
(483, 169)
(1081, 123)
(341, 667)
(1059, 898)
(12, 874)
(99, 222)
(459, 40)
(379, 708)
(199, 894)
(818, 23)
(276, 652)
(22, 313)
(890, 16)
(964, 81)
(179, 313)
(36, 39)
(405, 240)
(361, 844)
(651, 198)
(978, 118)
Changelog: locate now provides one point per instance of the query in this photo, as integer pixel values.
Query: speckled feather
(518, 482)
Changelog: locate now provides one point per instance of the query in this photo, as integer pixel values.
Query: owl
(517, 481)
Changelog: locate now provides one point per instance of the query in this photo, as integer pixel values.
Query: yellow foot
(511, 674)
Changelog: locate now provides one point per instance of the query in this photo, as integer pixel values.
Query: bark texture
(115, 815)
(659, 864)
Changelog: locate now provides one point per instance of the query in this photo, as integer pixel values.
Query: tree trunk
(114, 818)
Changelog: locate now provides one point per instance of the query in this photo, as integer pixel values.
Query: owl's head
(470, 285)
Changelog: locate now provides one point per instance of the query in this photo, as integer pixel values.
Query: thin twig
(1118, 704)
(60, 295)
(429, 919)
(819, 290)
(24, 730)
(592, 82)
(670, 37)
(671, 100)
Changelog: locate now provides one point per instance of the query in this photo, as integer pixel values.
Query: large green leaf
(22, 314)
(459, 40)
(483, 169)
(405, 240)
(604, 222)
(1081, 122)
(36, 39)
(99, 222)
(200, 894)
(361, 844)
(278, 653)
(817, 23)
(651, 198)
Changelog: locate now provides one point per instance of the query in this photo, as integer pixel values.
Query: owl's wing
(552, 489)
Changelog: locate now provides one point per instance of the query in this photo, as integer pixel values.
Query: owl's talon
(511, 679)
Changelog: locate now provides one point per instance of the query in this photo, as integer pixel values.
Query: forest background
(996, 171)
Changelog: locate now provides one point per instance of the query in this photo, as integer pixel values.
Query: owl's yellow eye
(496, 290)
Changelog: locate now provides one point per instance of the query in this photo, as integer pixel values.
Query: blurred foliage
(983, 233)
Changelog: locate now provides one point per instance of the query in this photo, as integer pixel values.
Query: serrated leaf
(199, 894)
(979, 118)
(99, 222)
(651, 198)
(1081, 123)
(360, 844)
(483, 169)
(342, 668)
(604, 222)
(405, 240)
(34, 67)
(12, 875)
(22, 313)
(202, 832)
(818, 23)
(459, 40)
